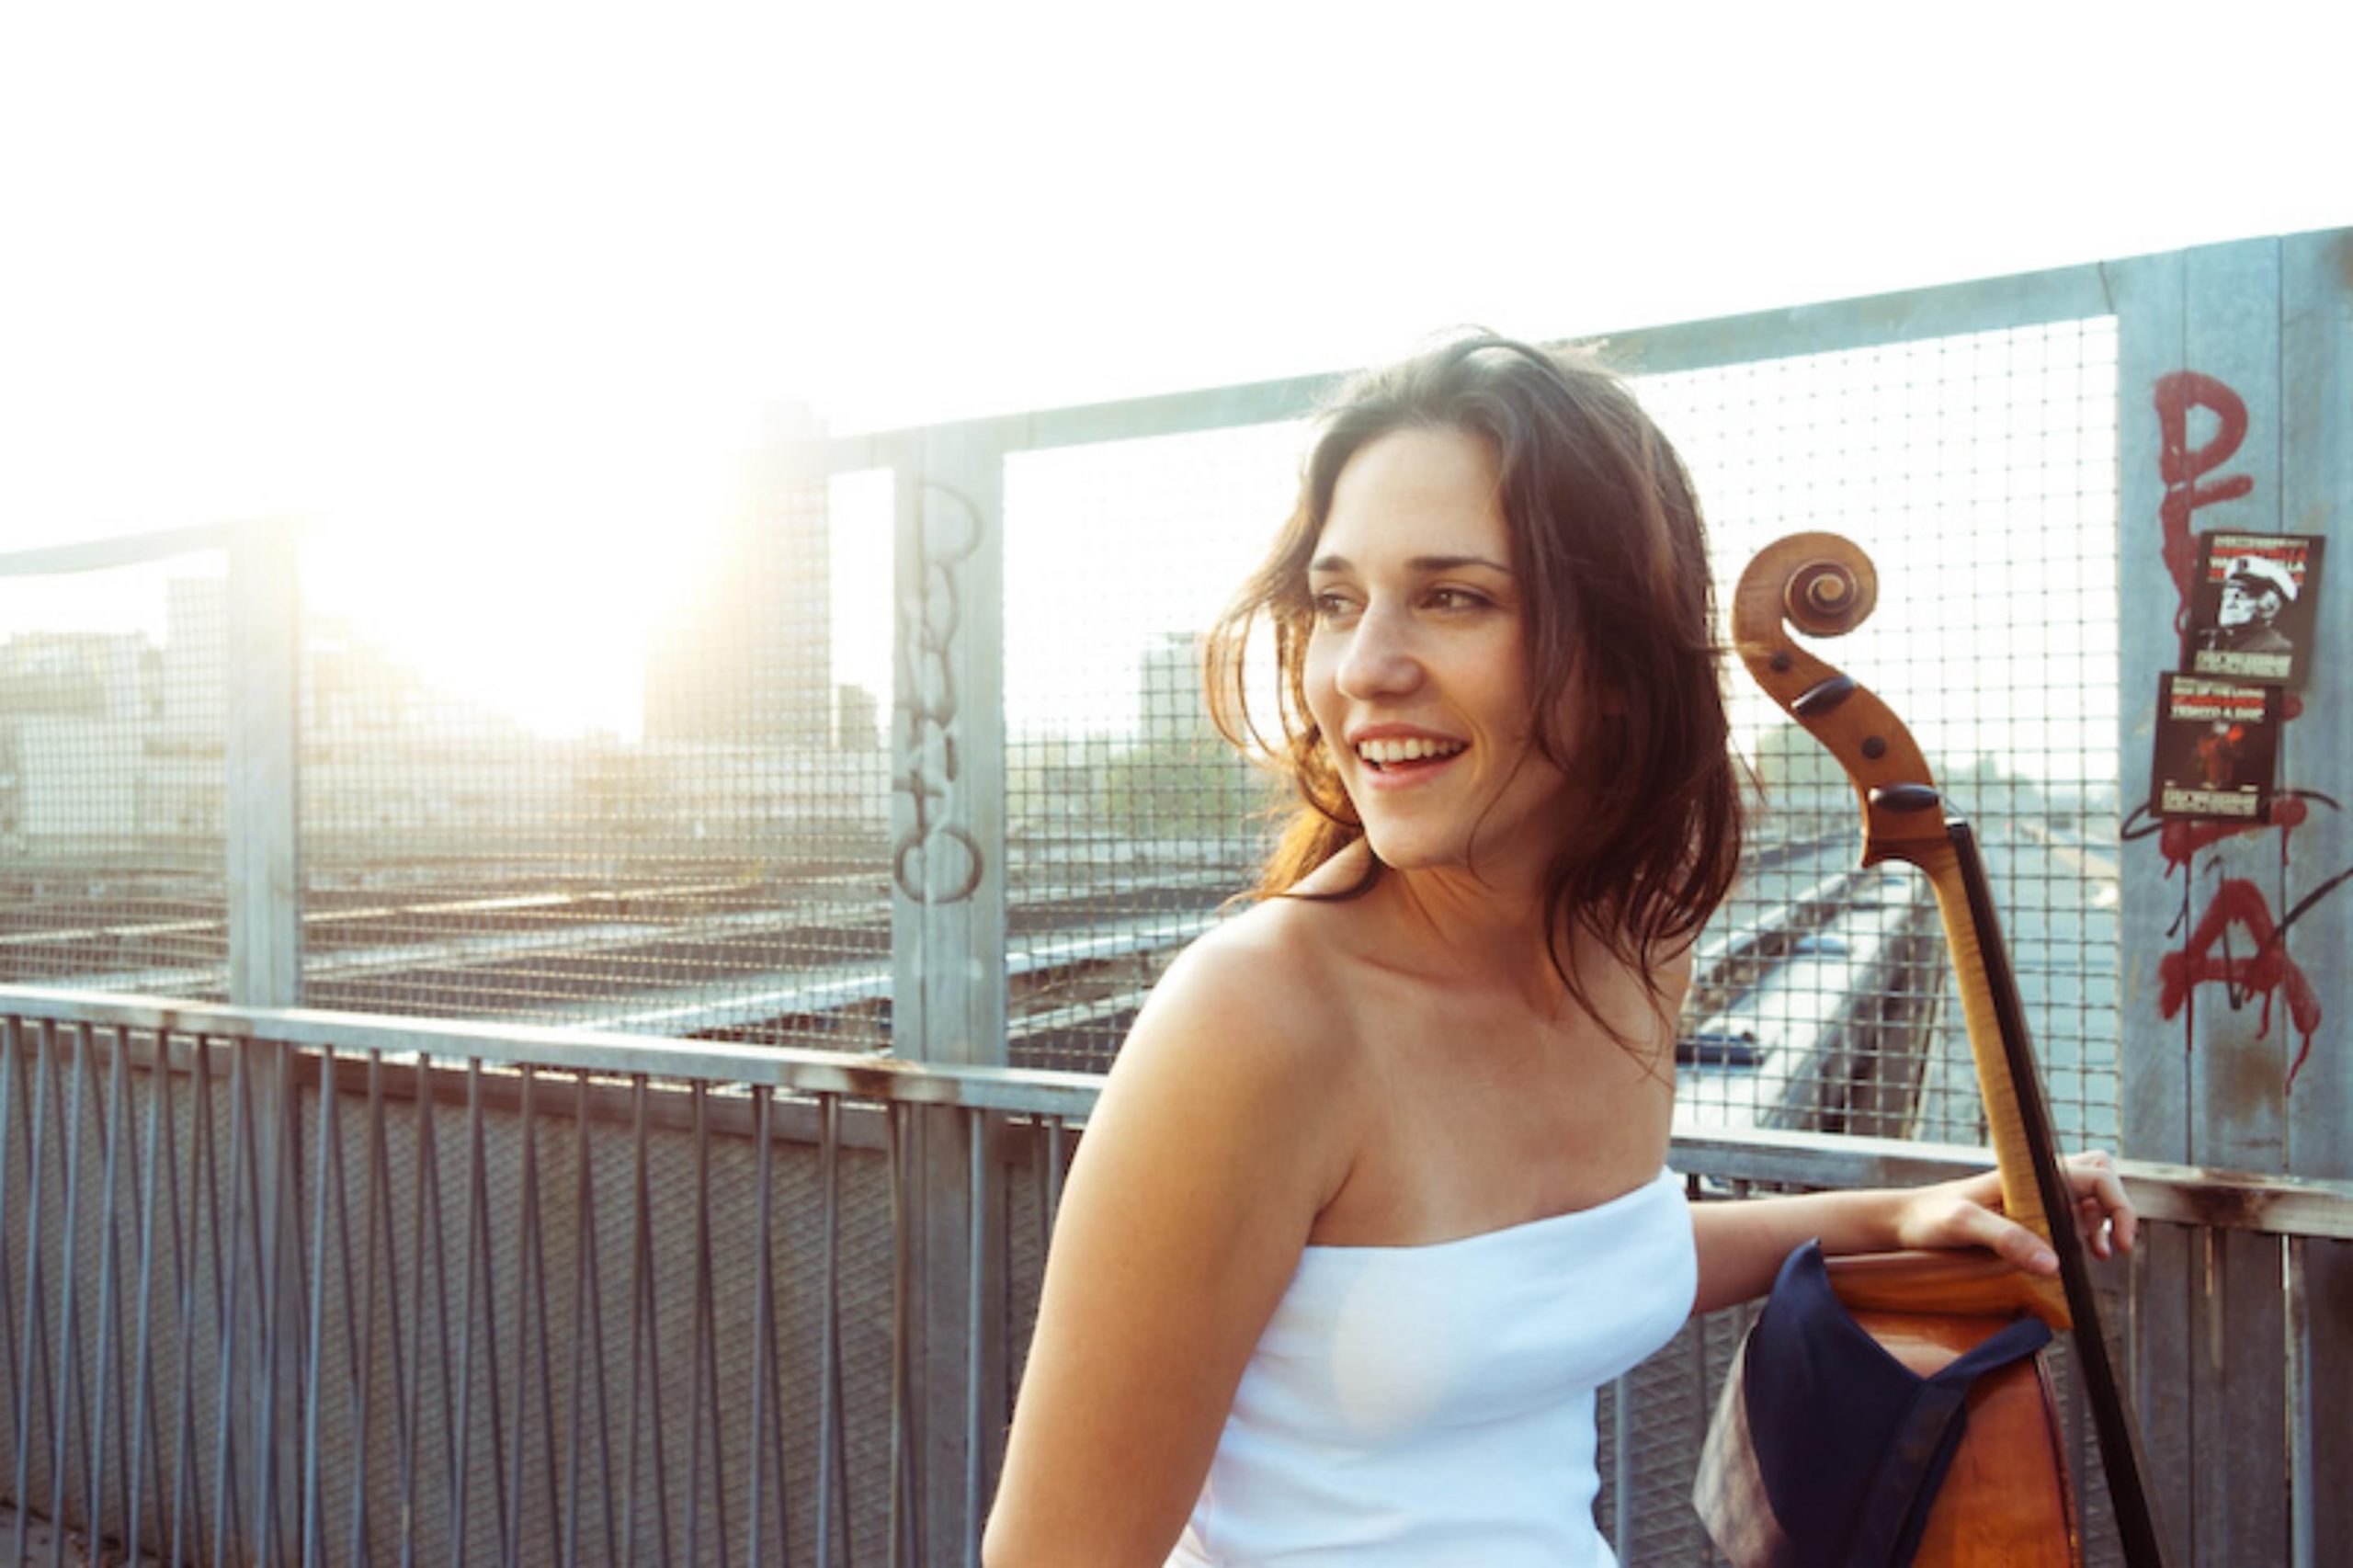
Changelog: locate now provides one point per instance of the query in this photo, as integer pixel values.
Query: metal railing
(302, 1287)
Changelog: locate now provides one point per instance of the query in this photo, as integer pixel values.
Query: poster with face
(2218, 745)
(2251, 606)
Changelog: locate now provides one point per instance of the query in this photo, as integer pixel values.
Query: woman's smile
(1398, 757)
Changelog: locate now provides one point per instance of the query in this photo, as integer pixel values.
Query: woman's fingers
(1968, 1213)
(2104, 1214)
(1966, 1221)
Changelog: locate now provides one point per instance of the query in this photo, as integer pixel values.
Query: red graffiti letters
(2266, 969)
(2182, 467)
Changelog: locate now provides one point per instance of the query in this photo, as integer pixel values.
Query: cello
(1998, 1493)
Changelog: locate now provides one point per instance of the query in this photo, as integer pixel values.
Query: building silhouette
(750, 661)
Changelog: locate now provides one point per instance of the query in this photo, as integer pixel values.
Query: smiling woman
(1373, 1199)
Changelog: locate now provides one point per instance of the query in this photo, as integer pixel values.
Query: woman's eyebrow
(1425, 563)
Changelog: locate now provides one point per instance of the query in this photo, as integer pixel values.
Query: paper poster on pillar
(2218, 746)
(2251, 607)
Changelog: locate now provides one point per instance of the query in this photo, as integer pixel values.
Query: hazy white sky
(522, 259)
(522, 276)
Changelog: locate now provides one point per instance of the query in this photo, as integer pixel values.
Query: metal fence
(281, 1287)
(913, 768)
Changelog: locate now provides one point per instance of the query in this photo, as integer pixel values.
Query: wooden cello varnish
(2009, 1497)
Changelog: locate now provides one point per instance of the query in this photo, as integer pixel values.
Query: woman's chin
(1417, 852)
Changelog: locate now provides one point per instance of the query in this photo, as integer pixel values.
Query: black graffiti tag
(934, 862)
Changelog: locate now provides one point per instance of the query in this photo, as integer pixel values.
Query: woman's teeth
(1381, 754)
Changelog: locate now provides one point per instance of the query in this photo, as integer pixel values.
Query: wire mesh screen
(1979, 472)
(113, 729)
(1130, 821)
(638, 785)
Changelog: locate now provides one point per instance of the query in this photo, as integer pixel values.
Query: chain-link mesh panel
(1979, 473)
(624, 1380)
(1130, 821)
(113, 729)
(674, 824)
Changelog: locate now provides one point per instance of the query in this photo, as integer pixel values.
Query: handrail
(2274, 1205)
(1031, 1091)
(1983, 304)
(127, 549)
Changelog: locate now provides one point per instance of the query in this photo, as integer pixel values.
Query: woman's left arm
(1742, 1244)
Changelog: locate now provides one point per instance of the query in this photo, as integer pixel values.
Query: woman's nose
(1381, 660)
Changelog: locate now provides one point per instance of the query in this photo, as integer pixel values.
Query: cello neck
(2017, 1122)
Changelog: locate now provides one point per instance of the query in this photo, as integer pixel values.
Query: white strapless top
(1433, 1406)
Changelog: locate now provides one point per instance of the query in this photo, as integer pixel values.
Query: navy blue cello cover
(1824, 1449)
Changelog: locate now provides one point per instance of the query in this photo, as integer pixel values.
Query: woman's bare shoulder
(1267, 982)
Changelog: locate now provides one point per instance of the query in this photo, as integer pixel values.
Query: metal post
(2235, 363)
(266, 967)
(948, 946)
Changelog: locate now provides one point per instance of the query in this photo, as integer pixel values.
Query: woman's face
(1415, 669)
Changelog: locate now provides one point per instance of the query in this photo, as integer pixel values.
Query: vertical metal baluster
(224, 1470)
(600, 1364)
(375, 1199)
(976, 1142)
(587, 1329)
(460, 1481)
(311, 1527)
(95, 1426)
(113, 1132)
(483, 1242)
(511, 1539)
(478, 1261)
(204, 1218)
(69, 1320)
(11, 1065)
(34, 1366)
(428, 1200)
(143, 1406)
(763, 1327)
(274, 1238)
(906, 1488)
(1051, 1184)
(1044, 1128)
(701, 1310)
(11, 1062)
(584, 1229)
(355, 1429)
(642, 1334)
(832, 1454)
(546, 1365)
(278, 1160)
(1621, 1484)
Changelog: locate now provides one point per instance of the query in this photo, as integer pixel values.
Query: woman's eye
(1457, 598)
(1332, 606)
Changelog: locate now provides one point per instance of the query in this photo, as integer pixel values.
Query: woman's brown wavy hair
(1613, 559)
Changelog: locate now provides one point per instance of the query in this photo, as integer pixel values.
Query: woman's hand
(1968, 1213)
